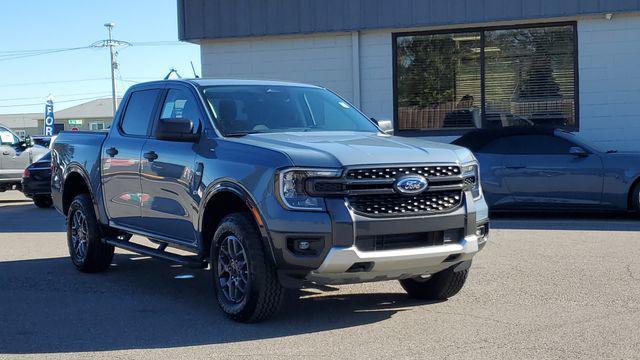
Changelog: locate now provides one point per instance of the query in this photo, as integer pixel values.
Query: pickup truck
(15, 156)
(270, 186)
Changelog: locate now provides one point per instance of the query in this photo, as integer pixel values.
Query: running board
(159, 253)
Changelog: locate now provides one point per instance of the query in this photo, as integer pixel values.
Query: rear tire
(440, 286)
(43, 201)
(244, 279)
(88, 253)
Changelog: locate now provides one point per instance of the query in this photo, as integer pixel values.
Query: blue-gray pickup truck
(269, 185)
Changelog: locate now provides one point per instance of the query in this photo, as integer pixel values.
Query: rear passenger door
(170, 172)
(123, 196)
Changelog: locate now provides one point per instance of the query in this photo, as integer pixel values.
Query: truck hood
(336, 149)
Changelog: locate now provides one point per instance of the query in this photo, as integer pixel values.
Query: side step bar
(159, 253)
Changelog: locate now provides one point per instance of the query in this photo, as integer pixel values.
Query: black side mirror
(175, 129)
(578, 151)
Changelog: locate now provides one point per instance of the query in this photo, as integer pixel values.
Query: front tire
(43, 201)
(244, 279)
(440, 286)
(88, 253)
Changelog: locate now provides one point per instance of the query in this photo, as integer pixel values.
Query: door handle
(151, 155)
(5, 152)
(112, 151)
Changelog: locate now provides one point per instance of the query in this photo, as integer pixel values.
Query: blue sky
(77, 76)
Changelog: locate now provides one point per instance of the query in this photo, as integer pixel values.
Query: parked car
(540, 168)
(15, 156)
(272, 184)
(36, 182)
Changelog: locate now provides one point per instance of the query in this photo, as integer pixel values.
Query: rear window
(137, 115)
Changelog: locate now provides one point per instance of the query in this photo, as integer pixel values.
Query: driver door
(541, 172)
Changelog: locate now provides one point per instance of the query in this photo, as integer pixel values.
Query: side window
(540, 144)
(137, 115)
(498, 146)
(181, 104)
(7, 137)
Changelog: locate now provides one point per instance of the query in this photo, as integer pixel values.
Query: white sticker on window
(6, 137)
(344, 104)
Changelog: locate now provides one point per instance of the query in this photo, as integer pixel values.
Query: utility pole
(114, 66)
(112, 44)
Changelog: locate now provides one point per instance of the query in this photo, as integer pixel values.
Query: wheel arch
(630, 193)
(223, 198)
(76, 181)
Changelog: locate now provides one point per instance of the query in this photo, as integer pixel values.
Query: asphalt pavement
(543, 288)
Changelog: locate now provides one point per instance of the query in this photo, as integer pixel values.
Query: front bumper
(391, 264)
(338, 260)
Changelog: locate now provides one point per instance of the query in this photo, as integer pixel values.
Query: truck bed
(78, 149)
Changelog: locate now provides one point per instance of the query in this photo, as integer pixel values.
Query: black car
(36, 182)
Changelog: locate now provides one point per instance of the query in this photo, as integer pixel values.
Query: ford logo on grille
(412, 184)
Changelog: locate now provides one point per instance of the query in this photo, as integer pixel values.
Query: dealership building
(438, 68)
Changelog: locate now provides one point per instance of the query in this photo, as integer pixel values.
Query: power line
(158, 43)
(56, 95)
(57, 102)
(25, 55)
(53, 82)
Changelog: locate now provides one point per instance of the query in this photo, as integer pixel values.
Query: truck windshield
(248, 109)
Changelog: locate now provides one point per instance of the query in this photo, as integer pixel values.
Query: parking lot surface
(543, 288)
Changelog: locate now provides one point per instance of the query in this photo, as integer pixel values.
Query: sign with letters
(48, 117)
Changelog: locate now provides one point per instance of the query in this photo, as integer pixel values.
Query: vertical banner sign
(48, 117)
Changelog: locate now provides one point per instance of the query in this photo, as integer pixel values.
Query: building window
(96, 126)
(486, 78)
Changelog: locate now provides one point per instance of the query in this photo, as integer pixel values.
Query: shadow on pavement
(48, 306)
(24, 217)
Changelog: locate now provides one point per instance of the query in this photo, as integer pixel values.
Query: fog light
(481, 231)
(304, 245)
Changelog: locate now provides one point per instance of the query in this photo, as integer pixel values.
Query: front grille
(393, 172)
(408, 241)
(372, 191)
(397, 204)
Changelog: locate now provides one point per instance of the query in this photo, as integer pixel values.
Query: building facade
(94, 115)
(438, 68)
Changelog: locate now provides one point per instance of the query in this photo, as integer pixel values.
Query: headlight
(471, 175)
(291, 184)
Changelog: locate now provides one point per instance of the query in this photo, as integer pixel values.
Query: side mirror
(578, 151)
(175, 129)
(386, 126)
